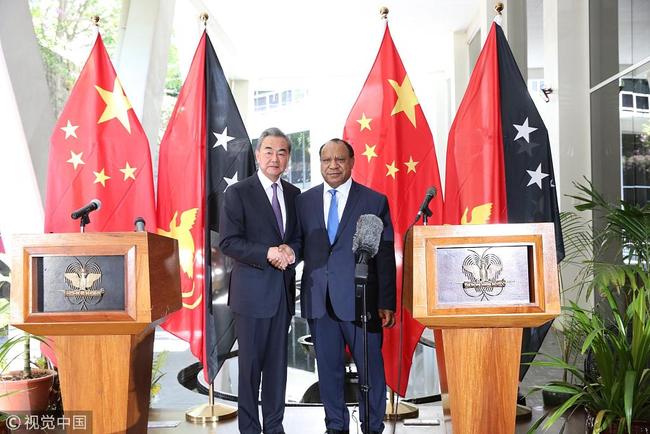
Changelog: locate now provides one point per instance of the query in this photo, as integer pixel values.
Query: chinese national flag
(499, 166)
(204, 150)
(395, 155)
(98, 150)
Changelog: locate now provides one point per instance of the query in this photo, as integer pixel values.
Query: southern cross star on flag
(98, 150)
(395, 155)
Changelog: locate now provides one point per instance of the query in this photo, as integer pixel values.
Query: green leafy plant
(156, 372)
(615, 387)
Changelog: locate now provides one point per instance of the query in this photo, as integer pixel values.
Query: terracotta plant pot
(30, 395)
(638, 426)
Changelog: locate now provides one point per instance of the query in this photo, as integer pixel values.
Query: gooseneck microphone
(93, 205)
(424, 208)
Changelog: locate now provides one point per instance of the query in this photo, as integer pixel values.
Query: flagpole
(212, 411)
(523, 411)
(396, 410)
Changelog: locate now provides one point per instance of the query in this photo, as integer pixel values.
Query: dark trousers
(262, 358)
(330, 336)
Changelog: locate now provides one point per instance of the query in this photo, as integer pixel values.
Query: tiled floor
(174, 400)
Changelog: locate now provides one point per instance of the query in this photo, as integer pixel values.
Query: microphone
(424, 208)
(365, 242)
(139, 224)
(93, 205)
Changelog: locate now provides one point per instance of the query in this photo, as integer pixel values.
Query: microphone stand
(83, 221)
(360, 281)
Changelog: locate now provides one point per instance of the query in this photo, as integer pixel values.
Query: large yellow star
(75, 159)
(370, 152)
(117, 105)
(406, 99)
(128, 171)
(391, 169)
(101, 177)
(364, 122)
(411, 164)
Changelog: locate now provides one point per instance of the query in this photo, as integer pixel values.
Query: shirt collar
(266, 182)
(342, 189)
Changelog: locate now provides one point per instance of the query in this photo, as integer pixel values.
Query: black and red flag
(499, 166)
(205, 149)
(395, 155)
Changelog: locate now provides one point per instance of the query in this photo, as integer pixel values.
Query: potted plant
(578, 242)
(26, 389)
(614, 384)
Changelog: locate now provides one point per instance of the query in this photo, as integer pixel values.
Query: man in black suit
(327, 216)
(258, 218)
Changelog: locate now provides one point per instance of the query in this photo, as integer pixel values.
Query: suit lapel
(320, 206)
(290, 210)
(349, 210)
(260, 196)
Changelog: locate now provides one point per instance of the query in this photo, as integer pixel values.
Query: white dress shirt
(267, 184)
(342, 193)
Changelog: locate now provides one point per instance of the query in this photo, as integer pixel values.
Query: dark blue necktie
(333, 217)
(275, 204)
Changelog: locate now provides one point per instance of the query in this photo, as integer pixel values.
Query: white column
(21, 208)
(566, 71)
(142, 61)
(27, 84)
(567, 115)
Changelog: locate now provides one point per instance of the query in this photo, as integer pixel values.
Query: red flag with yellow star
(395, 155)
(98, 150)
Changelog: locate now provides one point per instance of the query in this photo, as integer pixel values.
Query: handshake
(281, 256)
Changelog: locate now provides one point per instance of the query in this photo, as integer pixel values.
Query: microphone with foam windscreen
(365, 242)
(93, 205)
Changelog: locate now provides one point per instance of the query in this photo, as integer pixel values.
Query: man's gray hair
(272, 132)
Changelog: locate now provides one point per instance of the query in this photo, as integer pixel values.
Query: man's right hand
(277, 258)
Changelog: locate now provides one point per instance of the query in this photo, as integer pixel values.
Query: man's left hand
(387, 318)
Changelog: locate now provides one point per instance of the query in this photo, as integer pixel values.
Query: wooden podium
(99, 295)
(481, 284)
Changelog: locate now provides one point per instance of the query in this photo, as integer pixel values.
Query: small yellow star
(364, 122)
(411, 164)
(75, 159)
(70, 130)
(117, 105)
(128, 171)
(370, 152)
(101, 177)
(391, 169)
(406, 99)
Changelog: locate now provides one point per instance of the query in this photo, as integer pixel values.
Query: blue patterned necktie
(275, 204)
(333, 217)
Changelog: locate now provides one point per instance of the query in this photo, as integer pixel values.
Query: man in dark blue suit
(327, 216)
(257, 220)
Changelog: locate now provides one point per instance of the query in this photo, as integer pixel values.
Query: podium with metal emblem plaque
(99, 295)
(481, 284)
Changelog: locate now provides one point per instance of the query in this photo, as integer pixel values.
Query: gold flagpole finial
(383, 12)
(95, 20)
(498, 7)
(204, 18)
